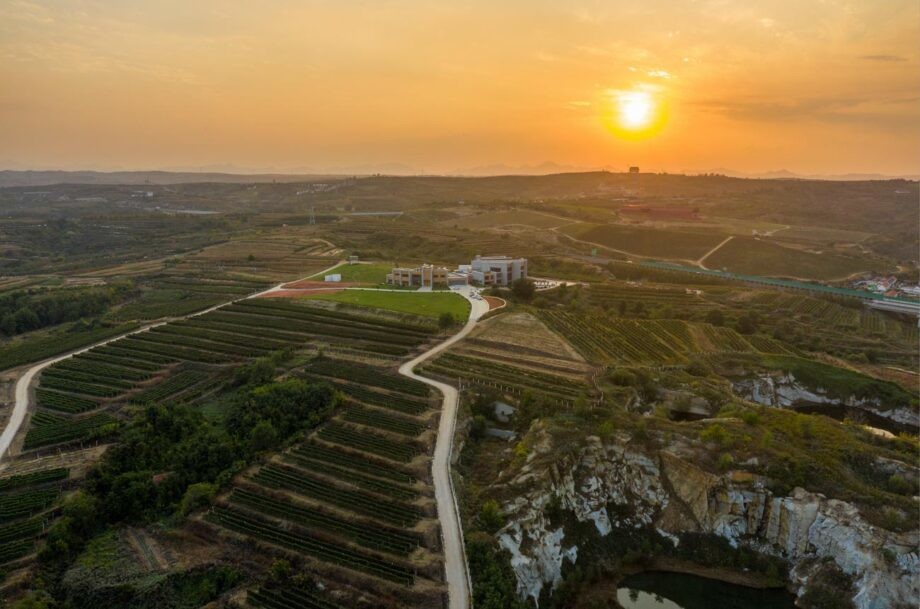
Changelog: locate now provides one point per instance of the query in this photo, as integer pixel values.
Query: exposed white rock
(784, 390)
(800, 527)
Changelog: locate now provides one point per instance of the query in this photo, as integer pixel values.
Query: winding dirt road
(456, 572)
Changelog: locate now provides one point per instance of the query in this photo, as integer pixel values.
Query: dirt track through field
(456, 570)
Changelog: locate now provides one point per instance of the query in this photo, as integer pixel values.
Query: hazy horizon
(826, 88)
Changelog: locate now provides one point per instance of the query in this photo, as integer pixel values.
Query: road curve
(456, 571)
(23, 384)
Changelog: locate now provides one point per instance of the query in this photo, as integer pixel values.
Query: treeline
(29, 310)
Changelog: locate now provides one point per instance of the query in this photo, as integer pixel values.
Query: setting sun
(635, 109)
(636, 113)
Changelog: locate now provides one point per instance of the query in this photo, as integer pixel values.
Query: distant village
(888, 286)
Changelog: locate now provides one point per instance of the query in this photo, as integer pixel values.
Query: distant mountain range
(785, 174)
(232, 174)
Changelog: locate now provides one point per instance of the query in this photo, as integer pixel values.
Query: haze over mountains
(231, 173)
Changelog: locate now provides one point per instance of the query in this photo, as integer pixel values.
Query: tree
(446, 320)
(523, 289)
(715, 317)
(196, 496)
(263, 437)
(747, 323)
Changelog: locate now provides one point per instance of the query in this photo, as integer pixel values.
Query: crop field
(528, 356)
(633, 297)
(617, 340)
(353, 498)
(189, 359)
(428, 304)
(506, 218)
(46, 429)
(16, 353)
(25, 501)
(288, 598)
(667, 244)
(273, 258)
(845, 328)
(747, 255)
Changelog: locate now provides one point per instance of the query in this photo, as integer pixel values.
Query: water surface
(660, 590)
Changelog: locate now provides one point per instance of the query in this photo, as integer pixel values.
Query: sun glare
(635, 109)
(635, 113)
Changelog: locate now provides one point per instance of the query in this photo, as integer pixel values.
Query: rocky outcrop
(784, 390)
(613, 485)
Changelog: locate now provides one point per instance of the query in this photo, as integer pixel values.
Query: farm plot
(288, 598)
(273, 258)
(46, 429)
(651, 342)
(656, 243)
(350, 496)
(25, 501)
(842, 327)
(514, 379)
(367, 375)
(185, 360)
(528, 356)
(633, 298)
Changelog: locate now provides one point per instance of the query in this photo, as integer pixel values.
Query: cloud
(883, 58)
(659, 74)
(841, 110)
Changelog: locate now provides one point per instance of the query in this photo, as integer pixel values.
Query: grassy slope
(428, 304)
(756, 257)
(647, 241)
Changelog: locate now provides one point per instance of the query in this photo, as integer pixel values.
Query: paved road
(23, 384)
(456, 572)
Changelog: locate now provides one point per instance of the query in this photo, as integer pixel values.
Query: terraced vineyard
(26, 504)
(618, 340)
(611, 295)
(190, 359)
(526, 356)
(841, 327)
(353, 498)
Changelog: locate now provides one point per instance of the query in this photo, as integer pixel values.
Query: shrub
(446, 320)
(716, 434)
(491, 517)
(197, 496)
(623, 378)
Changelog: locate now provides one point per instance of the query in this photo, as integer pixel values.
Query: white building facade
(497, 270)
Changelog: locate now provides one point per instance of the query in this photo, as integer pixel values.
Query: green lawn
(428, 304)
(373, 274)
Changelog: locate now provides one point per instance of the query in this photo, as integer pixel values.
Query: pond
(661, 590)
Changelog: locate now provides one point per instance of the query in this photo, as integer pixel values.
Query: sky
(812, 86)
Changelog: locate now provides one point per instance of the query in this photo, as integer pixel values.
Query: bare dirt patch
(495, 302)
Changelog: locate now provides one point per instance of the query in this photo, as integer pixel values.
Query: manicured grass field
(374, 274)
(429, 304)
(759, 257)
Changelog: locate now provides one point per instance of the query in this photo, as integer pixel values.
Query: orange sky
(814, 86)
